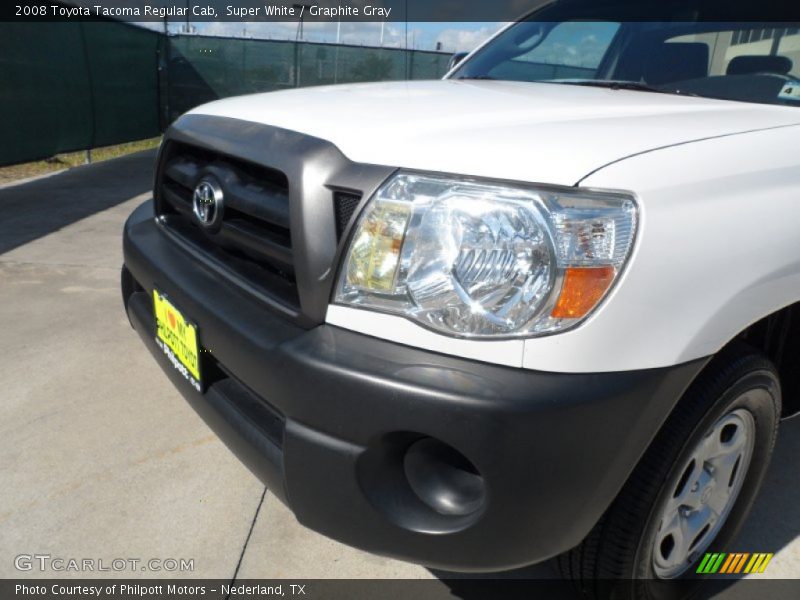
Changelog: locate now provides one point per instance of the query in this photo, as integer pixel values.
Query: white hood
(534, 132)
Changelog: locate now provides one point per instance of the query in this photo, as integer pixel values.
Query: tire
(736, 397)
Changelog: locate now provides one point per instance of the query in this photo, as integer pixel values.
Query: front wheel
(692, 490)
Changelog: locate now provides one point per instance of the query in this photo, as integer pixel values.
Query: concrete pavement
(101, 457)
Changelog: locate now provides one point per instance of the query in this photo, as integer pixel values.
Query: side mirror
(455, 59)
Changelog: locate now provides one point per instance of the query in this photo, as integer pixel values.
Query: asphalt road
(102, 459)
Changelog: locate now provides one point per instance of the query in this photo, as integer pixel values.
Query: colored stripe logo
(733, 563)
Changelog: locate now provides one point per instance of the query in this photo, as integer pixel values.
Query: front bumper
(325, 417)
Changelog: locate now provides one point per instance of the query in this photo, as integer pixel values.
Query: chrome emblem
(207, 203)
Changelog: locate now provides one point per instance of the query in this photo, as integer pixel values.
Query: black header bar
(773, 11)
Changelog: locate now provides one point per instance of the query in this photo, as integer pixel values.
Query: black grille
(288, 201)
(345, 204)
(254, 239)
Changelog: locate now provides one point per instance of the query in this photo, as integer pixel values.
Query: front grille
(288, 201)
(254, 238)
(345, 204)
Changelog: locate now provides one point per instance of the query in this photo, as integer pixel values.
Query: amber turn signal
(583, 288)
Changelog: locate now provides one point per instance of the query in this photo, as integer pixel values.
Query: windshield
(749, 62)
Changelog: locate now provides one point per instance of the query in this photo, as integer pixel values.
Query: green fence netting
(74, 86)
(205, 68)
(71, 86)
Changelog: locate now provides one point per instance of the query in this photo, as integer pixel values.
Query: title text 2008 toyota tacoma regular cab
(545, 306)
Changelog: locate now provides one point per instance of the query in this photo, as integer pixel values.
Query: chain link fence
(75, 86)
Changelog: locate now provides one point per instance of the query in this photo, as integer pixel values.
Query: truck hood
(535, 132)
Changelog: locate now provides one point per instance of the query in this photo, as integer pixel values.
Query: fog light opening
(443, 478)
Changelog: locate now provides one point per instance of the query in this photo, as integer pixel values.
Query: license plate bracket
(178, 337)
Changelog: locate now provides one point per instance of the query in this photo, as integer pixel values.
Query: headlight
(477, 259)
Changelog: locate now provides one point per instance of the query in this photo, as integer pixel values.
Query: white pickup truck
(544, 307)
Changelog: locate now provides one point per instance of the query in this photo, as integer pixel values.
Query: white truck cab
(546, 306)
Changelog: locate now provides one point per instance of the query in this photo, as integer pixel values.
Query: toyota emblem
(207, 203)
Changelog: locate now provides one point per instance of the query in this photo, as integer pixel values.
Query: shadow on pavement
(775, 519)
(37, 208)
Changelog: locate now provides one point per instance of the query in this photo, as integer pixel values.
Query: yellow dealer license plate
(177, 337)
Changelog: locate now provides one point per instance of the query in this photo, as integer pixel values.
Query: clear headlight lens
(478, 259)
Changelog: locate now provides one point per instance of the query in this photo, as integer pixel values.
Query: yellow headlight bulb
(375, 252)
